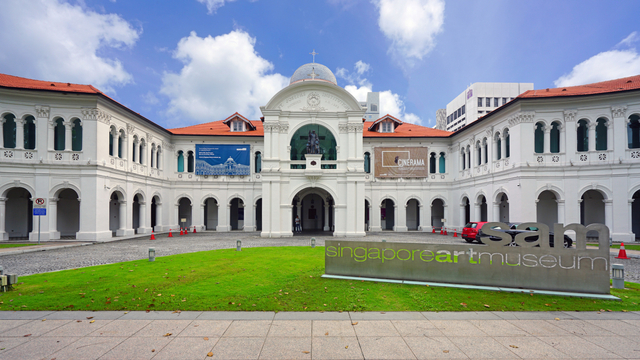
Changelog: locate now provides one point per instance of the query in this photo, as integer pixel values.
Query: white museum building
(566, 155)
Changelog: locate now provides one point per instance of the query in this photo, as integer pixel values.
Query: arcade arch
(592, 209)
(67, 213)
(17, 207)
(502, 213)
(437, 213)
(547, 208)
(236, 214)
(315, 208)
(388, 214)
(412, 214)
(184, 212)
(210, 213)
(635, 214)
(156, 213)
(117, 211)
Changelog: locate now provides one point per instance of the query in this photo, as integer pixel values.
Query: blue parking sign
(39, 212)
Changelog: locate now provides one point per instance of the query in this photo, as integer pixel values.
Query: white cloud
(604, 66)
(221, 75)
(57, 41)
(214, 5)
(150, 98)
(390, 102)
(411, 25)
(633, 37)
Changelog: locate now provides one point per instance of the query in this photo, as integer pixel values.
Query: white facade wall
(547, 187)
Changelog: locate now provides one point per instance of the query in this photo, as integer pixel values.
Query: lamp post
(238, 245)
(617, 274)
(152, 254)
(313, 242)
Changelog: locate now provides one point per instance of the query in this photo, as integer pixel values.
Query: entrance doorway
(259, 215)
(413, 214)
(237, 214)
(210, 214)
(387, 214)
(18, 213)
(68, 214)
(315, 208)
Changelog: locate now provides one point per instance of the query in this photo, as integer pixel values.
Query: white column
(158, 217)
(2, 120)
(477, 212)
(608, 213)
(592, 136)
(228, 224)
(176, 215)
(142, 217)
(504, 146)
(547, 140)
(495, 148)
(609, 135)
(562, 138)
(67, 135)
(19, 133)
(462, 215)
(482, 153)
(51, 135)
(496, 212)
(122, 217)
(3, 214)
(630, 219)
(422, 225)
(561, 211)
(249, 225)
(395, 217)
(203, 216)
(53, 219)
(326, 216)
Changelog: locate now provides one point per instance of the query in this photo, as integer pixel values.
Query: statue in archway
(313, 143)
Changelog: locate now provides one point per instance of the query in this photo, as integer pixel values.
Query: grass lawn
(617, 246)
(4, 246)
(273, 279)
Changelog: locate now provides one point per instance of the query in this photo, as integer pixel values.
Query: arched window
(498, 140)
(507, 144)
(58, 134)
(258, 162)
(468, 156)
(158, 157)
(141, 151)
(633, 132)
(134, 149)
(180, 161)
(583, 135)
(464, 160)
(325, 142)
(110, 143)
(76, 135)
(121, 144)
(539, 138)
(367, 163)
(432, 163)
(486, 152)
(555, 137)
(601, 134)
(153, 155)
(9, 131)
(442, 164)
(190, 161)
(29, 133)
(479, 153)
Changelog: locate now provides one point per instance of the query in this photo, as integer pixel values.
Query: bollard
(238, 245)
(152, 254)
(617, 276)
(313, 242)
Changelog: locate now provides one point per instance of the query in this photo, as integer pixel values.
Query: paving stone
(333, 328)
(580, 327)
(83, 315)
(482, 348)
(286, 348)
(35, 328)
(37, 348)
(385, 347)
(75, 328)
(390, 315)
(498, 328)
(161, 327)
(237, 348)
(87, 348)
(336, 347)
(312, 315)
(461, 315)
(246, 328)
(121, 328)
(290, 328)
(578, 348)
(416, 328)
(24, 315)
(10, 324)
(187, 348)
(161, 315)
(616, 326)
(606, 315)
(534, 315)
(8, 343)
(375, 328)
(528, 347)
(208, 328)
(457, 328)
(237, 315)
(436, 347)
(626, 347)
(539, 327)
(137, 348)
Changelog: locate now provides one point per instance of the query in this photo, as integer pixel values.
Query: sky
(186, 62)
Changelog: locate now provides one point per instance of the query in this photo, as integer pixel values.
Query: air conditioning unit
(3, 280)
(12, 279)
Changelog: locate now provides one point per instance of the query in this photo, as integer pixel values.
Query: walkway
(331, 335)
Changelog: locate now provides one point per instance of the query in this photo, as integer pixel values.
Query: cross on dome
(313, 54)
(313, 73)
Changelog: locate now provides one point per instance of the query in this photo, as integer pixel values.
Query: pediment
(315, 98)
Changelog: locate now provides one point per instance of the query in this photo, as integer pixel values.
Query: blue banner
(223, 159)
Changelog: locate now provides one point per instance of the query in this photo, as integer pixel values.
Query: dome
(321, 72)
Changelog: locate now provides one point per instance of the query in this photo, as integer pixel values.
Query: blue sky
(185, 62)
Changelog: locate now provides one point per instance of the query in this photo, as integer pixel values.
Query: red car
(470, 230)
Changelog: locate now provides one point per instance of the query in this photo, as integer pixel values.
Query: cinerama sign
(530, 265)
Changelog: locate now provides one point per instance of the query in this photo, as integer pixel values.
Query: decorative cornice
(343, 128)
(283, 128)
(521, 117)
(130, 129)
(43, 111)
(570, 115)
(168, 146)
(96, 114)
(618, 111)
(355, 127)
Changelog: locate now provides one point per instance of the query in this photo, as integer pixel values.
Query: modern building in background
(480, 99)
(441, 119)
(372, 105)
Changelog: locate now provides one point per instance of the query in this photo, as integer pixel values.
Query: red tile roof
(611, 86)
(237, 115)
(16, 82)
(218, 128)
(404, 131)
